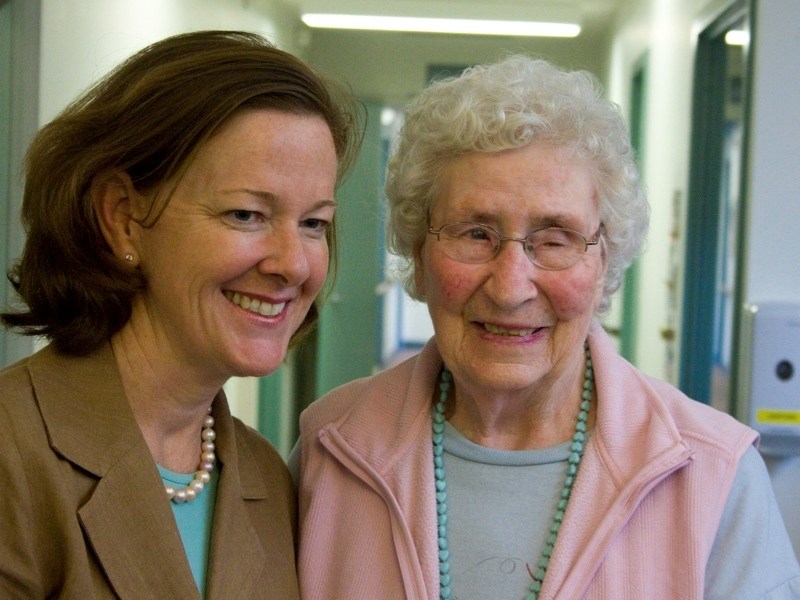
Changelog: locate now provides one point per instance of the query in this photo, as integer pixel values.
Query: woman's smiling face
(507, 325)
(239, 254)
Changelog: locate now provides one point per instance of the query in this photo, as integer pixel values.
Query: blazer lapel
(127, 520)
(130, 527)
(238, 560)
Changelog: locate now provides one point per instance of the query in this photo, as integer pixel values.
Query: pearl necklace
(203, 474)
(574, 461)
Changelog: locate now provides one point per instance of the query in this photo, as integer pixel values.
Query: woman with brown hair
(179, 219)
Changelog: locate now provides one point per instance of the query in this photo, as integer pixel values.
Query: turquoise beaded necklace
(577, 447)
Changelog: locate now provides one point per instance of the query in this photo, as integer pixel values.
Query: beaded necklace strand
(203, 474)
(574, 461)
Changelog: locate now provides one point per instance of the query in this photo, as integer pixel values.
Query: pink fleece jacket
(652, 487)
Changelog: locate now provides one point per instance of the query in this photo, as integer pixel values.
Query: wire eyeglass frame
(564, 253)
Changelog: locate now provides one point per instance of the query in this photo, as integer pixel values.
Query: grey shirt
(501, 504)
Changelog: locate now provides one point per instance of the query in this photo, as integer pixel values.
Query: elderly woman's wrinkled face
(508, 324)
(238, 256)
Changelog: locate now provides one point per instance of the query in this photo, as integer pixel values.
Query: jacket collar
(394, 408)
(634, 425)
(128, 522)
(237, 561)
(83, 406)
(634, 445)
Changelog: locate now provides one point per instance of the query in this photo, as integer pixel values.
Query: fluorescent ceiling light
(436, 25)
(737, 37)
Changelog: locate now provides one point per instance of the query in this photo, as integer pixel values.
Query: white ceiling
(391, 67)
(595, 16)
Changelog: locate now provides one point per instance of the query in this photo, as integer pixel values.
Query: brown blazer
(82, 507)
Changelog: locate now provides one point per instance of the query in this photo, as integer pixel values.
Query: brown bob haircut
(148, 117)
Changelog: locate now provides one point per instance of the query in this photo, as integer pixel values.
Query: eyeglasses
(552, 248)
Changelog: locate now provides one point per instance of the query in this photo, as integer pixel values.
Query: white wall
(772, 269)
(82, 39)
(773, 193)
(667, 30)
(662, 33)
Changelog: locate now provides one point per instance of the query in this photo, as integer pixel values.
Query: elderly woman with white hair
(518, 455)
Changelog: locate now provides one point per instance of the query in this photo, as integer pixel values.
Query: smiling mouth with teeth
(254, 305)
(509, 332)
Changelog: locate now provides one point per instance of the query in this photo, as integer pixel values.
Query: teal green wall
(5, 158)
(630, 290)
(347, 337)
(19, 115)
(271, 420)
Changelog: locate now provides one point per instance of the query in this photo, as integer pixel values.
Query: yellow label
(769, 416)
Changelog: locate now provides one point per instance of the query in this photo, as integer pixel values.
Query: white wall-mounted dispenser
(771, 368)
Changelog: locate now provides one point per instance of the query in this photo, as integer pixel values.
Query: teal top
(194, 521)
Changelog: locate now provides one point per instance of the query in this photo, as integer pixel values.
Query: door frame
(703, 208)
